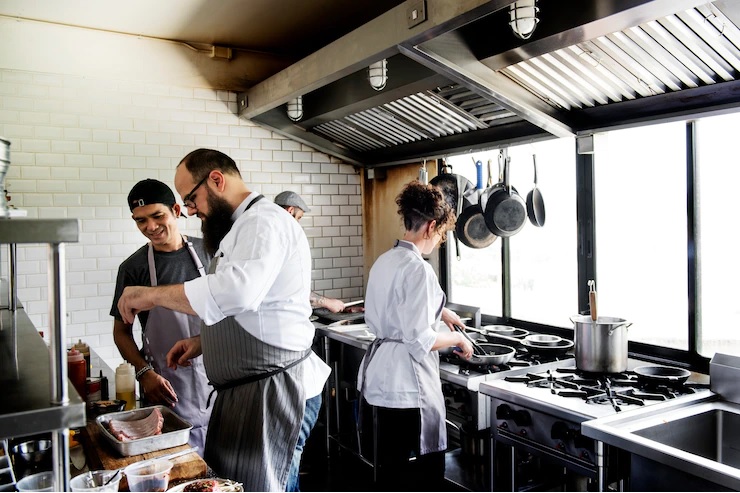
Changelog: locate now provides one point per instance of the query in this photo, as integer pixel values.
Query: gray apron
(163, 329)
(431, 400)
(259, 407)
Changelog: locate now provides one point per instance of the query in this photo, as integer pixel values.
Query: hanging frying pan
(451, 184)
(471, 228)
(664, 375)
(505, 212)
(535, 202)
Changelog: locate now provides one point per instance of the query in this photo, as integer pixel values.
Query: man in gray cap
(168, 258)
(295, 205)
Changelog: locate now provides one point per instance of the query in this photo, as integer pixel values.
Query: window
(640, 220)
(543, 260)
(718, 185)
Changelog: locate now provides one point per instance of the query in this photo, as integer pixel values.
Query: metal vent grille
(422, 116)
(694, 48)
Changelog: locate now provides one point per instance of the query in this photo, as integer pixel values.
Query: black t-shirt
(172, 268)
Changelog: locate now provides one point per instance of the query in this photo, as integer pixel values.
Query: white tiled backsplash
(79, 144)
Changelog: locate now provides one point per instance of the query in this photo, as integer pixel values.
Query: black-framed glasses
(188, 199)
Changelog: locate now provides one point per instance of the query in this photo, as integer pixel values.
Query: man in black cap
(296, 206)
(168, 258)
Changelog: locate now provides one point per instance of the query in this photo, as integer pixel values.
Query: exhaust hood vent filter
(422, 116)
(689, 49)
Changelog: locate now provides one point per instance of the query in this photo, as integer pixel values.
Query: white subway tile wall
(79, 144)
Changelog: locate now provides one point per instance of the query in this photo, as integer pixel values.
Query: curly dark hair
(200, 162)
(419, 204)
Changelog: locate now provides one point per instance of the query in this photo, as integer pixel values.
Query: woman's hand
(451, 319)
(466, 348)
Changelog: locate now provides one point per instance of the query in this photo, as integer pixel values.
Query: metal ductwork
(459, 80)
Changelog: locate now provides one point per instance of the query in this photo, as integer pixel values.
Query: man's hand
(333, 305)
(183, 351)
(158, 389)
(133, 300)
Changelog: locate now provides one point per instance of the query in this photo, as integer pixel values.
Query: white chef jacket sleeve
(416, 314)
(252, 259)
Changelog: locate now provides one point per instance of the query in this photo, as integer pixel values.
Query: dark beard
(217, 224)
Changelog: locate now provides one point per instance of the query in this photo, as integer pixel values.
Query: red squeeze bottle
(77, 371)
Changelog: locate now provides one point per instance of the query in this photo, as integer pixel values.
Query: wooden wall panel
(380, 220)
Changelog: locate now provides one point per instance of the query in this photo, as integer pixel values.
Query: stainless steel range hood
(459, 80)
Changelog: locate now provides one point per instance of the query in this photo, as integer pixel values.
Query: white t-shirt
(263, 280)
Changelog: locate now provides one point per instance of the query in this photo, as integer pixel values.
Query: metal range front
(536, 414)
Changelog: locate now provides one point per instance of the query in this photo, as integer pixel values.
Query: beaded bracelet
(143, 370)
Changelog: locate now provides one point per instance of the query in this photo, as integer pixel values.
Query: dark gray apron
(163, 329)
(432, 406)
(259, 407)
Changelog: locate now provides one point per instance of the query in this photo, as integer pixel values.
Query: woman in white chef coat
(399, 375)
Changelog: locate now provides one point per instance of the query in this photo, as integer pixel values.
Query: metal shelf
(26, 406)
(29, 230)
(37, 393)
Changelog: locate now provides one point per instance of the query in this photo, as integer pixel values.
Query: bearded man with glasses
(256, 336)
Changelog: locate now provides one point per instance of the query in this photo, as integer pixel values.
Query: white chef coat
(263, 280)
(402, 301)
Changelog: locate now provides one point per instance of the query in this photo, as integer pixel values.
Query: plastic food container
(95, 481)
(42, 481)
(148, 475)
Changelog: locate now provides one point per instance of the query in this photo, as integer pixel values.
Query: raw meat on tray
(138, 428)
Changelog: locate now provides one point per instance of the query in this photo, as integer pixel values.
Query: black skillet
(662, 374)
(471, 227)
(504, 211)
(535, 202)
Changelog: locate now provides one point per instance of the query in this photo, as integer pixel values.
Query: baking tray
(175, 431)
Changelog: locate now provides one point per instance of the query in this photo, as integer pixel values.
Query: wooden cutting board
(101, 455)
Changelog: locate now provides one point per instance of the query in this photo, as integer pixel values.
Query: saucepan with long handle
(548, 348)
(486, 353)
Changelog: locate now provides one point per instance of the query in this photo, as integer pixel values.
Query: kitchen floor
(342, 472)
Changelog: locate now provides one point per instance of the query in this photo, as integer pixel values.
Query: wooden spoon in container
(592, 299)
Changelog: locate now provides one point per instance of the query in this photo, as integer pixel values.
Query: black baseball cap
(148, 192)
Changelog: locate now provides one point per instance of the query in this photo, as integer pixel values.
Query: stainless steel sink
(713, 434)
(697, 435)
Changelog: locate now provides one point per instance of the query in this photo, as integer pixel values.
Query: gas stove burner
(615, 389)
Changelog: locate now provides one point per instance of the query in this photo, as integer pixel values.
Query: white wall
(81, 141)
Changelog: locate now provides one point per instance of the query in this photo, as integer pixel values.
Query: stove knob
(522, 418)
(503, 412)
(584, 442)
(585, 455)
(560, 446)
(560, 431)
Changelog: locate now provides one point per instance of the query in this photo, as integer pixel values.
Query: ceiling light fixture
(523, 18)
(377, 74)
(295, 108)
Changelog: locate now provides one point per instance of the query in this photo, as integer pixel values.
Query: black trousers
(400, 467)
